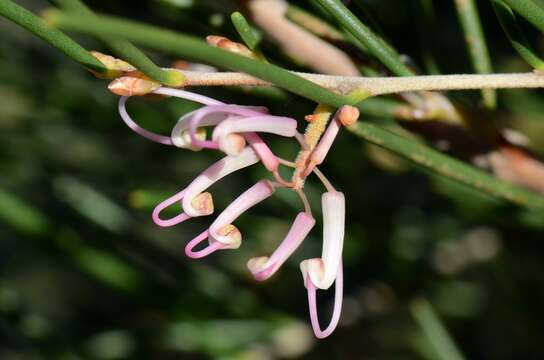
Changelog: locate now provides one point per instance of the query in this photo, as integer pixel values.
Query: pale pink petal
(182, 94)
(214, 246)
(264, 267)
(137, 128)
(322, 271)
(254, 195)
(217, 171)
(269, 160)
(163, 205)
(277, 125)
(312, 305)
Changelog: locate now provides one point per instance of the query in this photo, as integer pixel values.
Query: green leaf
(367, 38)
(55, 37)
(128, 52)
(515, 35)
(246, 31)
(435, 332)
(477, 46)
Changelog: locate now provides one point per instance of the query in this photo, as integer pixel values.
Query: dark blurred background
(85, 274)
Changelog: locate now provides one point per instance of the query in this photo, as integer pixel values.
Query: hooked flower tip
(258, 266)
(230, 235)
(182, 139)
(314, 269)
(203, 203)
(232, 144)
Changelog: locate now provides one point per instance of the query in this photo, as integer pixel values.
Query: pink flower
(323, 272)
(222, 234)
(235, 132)
(264, 267)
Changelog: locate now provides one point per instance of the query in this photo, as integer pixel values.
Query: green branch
(128, 52)
(475, 40)
(55, 37)
(189, 47)
(368, 39)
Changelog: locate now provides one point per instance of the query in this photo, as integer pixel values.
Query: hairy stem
(381, 85)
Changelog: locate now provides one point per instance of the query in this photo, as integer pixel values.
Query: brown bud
(347, 115)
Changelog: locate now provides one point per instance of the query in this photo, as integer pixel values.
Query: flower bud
(132, 86)
(229, 45)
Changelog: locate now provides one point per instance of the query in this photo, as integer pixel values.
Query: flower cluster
(236, 132)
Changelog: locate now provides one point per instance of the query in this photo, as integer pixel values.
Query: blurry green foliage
(85, 274)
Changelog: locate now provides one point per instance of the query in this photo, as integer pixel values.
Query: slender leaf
(55, 37)
(129, 52)
(246, 31)
(477, 46)
(436, 334)
(368, 39)
(530, 10)
(515, 35)
(449, 167)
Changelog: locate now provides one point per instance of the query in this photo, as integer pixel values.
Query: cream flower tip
(257, 264)
(182, 139)
(229, 235)
(347, 115)
(214, 173)
(252, 196)
(315, 269)
(232, 144)
(203, 203)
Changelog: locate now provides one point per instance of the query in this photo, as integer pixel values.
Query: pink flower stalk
(235, 127)
(263, 267)
(195, 201)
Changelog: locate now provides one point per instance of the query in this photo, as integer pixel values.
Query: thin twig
(380, 85)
